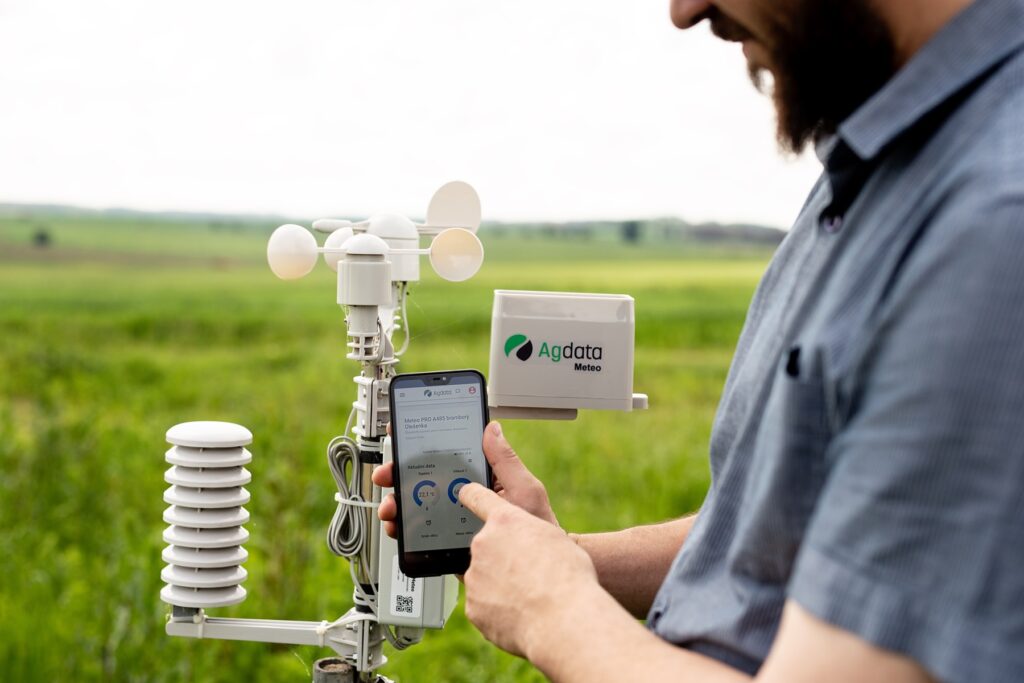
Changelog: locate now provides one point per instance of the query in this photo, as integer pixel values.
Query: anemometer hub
(399, 233)
(365, 244)
(332, 246)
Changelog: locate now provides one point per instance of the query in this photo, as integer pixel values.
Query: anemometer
(551, 354)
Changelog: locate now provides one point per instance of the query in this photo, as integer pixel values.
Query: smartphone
(437, 430)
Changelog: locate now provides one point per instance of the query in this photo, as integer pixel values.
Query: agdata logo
(523, 348)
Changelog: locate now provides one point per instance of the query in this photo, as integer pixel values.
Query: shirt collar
(972, 43)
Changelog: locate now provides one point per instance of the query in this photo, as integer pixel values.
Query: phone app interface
(439, 450)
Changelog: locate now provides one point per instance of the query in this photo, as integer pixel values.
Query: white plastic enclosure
(405, 601)
(559, 350)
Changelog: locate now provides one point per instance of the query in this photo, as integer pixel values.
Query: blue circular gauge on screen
(454, 487)
(425, 492)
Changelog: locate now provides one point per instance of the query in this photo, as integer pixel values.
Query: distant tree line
(640, 231)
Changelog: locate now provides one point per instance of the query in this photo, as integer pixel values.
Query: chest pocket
(787, 471)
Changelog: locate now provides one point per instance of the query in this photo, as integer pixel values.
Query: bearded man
(865, 520)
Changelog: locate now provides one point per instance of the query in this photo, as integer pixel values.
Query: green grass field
(123, 328)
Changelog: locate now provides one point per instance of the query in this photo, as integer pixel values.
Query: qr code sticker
(403, 603)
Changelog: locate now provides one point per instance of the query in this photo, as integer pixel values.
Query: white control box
(562, 351)
(406, 601)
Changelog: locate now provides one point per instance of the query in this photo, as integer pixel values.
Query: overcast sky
(553, 109)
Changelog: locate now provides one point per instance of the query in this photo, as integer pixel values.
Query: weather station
(551, 354)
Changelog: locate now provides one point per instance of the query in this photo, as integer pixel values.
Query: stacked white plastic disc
(207, 478)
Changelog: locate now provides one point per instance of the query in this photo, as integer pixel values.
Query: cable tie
(355, 503)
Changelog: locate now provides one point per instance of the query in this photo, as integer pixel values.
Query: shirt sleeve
(917, 541)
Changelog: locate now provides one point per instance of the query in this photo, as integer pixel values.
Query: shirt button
(832, 224)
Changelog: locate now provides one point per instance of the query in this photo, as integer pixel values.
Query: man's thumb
(507, 466)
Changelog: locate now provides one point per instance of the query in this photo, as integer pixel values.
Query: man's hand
(512, 481)
(529, 588)
(522, 574)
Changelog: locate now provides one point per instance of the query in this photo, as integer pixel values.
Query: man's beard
(827, 59)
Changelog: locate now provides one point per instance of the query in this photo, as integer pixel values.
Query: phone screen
(439, 449)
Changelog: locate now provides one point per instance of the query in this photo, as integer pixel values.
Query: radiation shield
(561, 351)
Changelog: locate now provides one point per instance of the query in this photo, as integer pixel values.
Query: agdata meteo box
(563, 351)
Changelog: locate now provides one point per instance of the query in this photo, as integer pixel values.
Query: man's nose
(686, 13)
